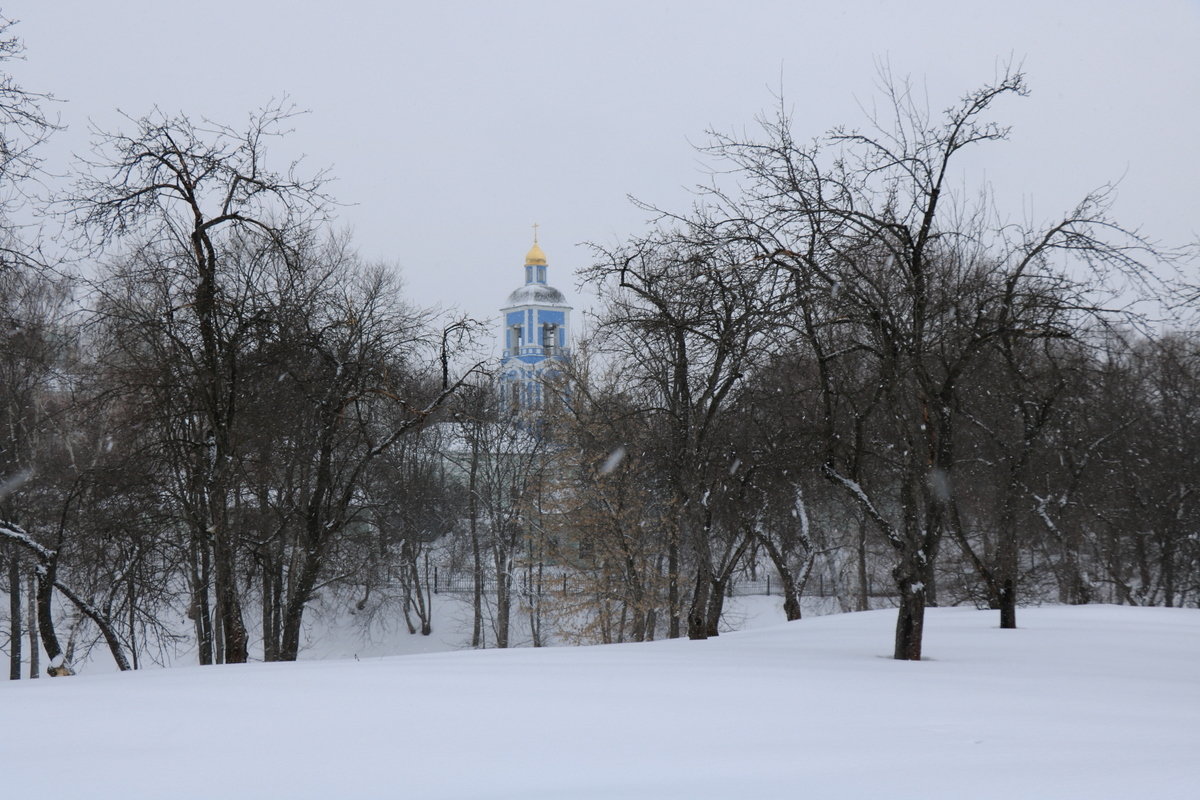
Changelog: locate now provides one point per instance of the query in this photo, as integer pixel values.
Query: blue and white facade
(535, 335)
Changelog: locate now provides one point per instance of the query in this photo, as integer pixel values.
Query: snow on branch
(14, 533)
(863, 500)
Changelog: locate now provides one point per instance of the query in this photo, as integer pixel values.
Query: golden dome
(535, 257)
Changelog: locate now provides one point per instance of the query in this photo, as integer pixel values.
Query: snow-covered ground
(1081, 702)
(336, 634)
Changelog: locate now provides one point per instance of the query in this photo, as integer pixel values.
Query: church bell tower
(535, 335)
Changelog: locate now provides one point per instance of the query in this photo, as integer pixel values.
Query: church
(535, 334)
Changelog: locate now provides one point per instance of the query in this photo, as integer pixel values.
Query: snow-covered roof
(537, 294)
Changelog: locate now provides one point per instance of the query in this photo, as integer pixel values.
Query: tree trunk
(318, 527)
(14, 615)
(911, 573)
(32, 627)
(131, 598)
(673, 599)
(45, 596)
(910, 622)
(636, 601)
(1167, 565)
(301, 593)
(220, 407)
(293, 618)
(648, 626)
(416, 595)
(200, 612)
(716, 605)
(476, 580)
(101, 621)
(1008, 604)
(304, 582)
(791, 596)
(503, 608)
(1006, 579)
(864, 582)
(218, 633)
(502, 558)
(1008, 552)
(270, 608)
(697, 618)
(476, 555)
(428, 628)
(649, 630)
(233, 626)
(791, 602)
(535, 604)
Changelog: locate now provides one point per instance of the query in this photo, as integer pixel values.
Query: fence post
(435, 580)
(768, 583)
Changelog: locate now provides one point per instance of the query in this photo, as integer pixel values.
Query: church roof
(535, 257)
(537, 294)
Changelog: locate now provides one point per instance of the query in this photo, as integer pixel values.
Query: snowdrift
(1081, 702)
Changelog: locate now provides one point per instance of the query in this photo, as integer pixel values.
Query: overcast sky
(453, 126)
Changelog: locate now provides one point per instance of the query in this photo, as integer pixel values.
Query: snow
(1080, 702)
(613, 461)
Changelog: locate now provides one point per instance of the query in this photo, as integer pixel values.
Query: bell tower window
(549, 338)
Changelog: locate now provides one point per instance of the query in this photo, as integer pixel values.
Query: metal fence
(458, 582)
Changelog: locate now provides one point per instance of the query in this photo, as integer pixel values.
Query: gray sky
(453, 126)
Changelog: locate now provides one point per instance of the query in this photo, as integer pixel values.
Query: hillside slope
(1093, 701)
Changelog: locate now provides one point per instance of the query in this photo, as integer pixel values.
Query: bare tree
(891, 274)
(359, 393)
(24, 126)
(690, 309)
(607, 522)
(183, 190)
(503, 456)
